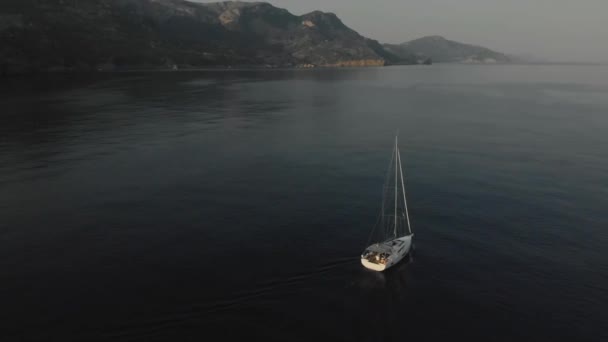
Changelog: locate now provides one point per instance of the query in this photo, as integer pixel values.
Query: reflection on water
(392, 281)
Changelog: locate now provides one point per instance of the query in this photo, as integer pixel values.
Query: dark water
(177, 206)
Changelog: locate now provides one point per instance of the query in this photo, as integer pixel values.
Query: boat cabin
(377, 254)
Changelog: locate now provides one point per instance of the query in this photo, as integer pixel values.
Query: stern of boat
(372, 266)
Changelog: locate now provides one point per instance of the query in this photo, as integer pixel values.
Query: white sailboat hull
(382, 256)
(373, 266)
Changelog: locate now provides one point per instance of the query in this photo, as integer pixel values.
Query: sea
(234, 205)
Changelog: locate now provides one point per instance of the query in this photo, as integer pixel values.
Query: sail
(393, 220)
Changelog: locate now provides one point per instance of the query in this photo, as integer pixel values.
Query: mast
(396, 161)
(407, 215)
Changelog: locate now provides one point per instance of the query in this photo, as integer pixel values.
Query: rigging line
(369, 239)
(396, 162)
(407, 215)
(384, 197)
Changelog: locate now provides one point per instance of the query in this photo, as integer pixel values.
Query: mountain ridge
(111, 35)
(62, 35)
(444, 50)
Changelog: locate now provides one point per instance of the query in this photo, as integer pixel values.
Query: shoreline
(130, 70)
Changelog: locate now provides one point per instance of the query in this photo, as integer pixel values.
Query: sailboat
(392, 235)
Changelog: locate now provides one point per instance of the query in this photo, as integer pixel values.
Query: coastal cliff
(114, 35)
(107, 35)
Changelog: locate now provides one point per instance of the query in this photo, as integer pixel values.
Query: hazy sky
(563, 30)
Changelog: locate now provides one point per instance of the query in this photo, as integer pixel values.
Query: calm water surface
(176, 206)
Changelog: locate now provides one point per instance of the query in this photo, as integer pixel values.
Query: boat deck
(388, 252)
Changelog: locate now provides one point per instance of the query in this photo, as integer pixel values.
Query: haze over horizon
(552, 30)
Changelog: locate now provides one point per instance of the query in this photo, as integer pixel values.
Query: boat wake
(271, 286)
(238, 300)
